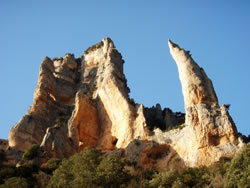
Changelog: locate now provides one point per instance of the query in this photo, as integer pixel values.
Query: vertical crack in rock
(103, 82)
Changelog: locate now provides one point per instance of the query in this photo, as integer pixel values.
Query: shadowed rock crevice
(163, 119)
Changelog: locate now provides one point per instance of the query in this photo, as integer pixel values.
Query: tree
(239, 170)
(31, 152)
(15, 182)
(111, 172)
(90, 168)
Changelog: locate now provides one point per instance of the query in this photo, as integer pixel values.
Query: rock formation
(4, 144)
(85, 102)
(209, 131)
(53, 99)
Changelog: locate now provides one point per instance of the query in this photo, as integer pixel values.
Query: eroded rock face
(85, 121)
(85, 102)
(210, 128)
(152, 155)
(53, 98)
(4, 144)
(197, 88)
(56, 143)
(113, 120)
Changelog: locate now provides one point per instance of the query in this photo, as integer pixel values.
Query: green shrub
(26, 171)
(6, 172)
(31, 152)
(189, 177)
(15, 182)
(195, 177)
(90, 169)
(111, 172)
(54, 164)
(179, 184)
(78, 171)
(238, 173)
(42, 179)
(164, 179)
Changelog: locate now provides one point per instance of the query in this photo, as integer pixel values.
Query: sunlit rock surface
(209, 131)
(53, 99)
(85, 101)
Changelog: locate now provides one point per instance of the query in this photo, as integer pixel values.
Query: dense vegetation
(31, 152)
(91, 168)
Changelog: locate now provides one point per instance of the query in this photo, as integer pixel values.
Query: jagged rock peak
(53, 98)
(85, 102)
(197, 88)
(210, 131)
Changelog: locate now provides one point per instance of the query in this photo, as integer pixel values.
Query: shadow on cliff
(106, 141)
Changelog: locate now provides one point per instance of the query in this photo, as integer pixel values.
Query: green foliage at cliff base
(91, 168)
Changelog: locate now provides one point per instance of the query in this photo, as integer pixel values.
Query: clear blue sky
(216, 32)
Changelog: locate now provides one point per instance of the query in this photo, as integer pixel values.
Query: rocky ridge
(85, 102)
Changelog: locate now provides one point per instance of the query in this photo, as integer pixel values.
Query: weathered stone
(197, 88)
(209, 131)
(56, 143)
(151, 155)
(54, 97)
(85, 121)
(4, 144)
(113, 121)
(85, 102)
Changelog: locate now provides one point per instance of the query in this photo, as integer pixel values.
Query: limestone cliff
(209, 131)
(84, 102)
(53, 99)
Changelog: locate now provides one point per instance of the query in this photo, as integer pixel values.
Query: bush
(6, 172)
(78, 171)
(26, 171)
(90, 169)
(53, 164)
(31, 152)
(238, 173)
(195, 177)
(42, 179)
(15, 182)
(111, 173)
(189, 177)
(164, 179)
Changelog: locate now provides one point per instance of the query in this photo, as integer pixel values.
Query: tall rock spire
(197, 88)
(210, 129)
